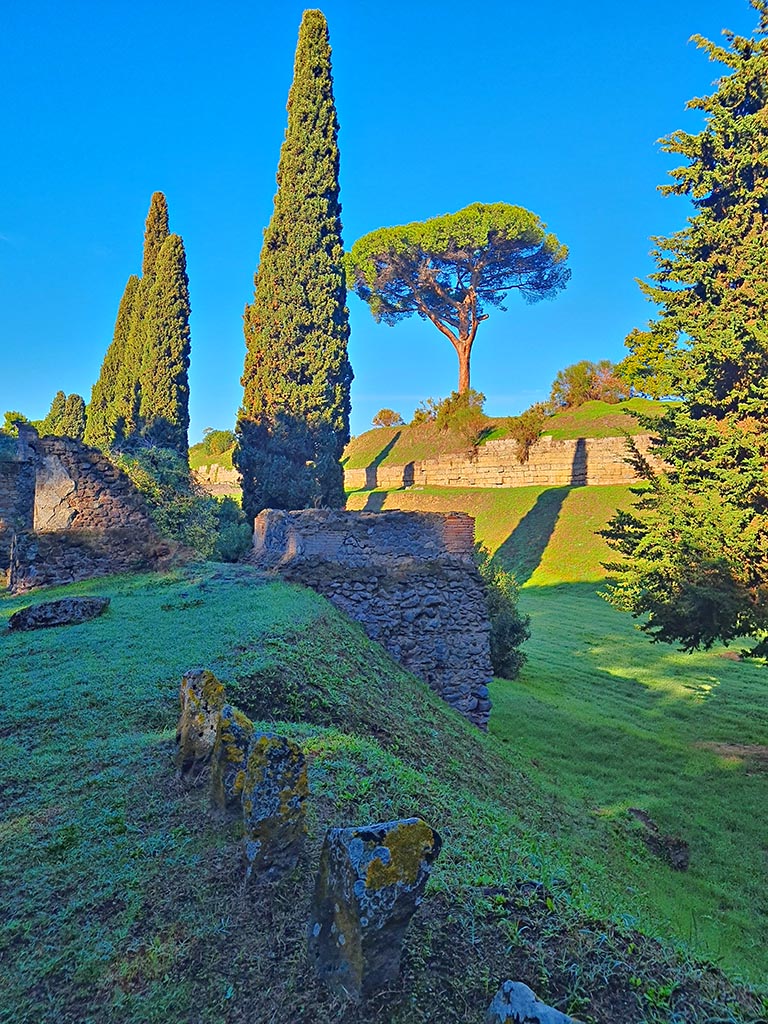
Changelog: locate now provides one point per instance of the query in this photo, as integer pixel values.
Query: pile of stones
(371, 878)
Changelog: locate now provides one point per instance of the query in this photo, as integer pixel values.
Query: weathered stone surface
(407, 577)
(274, 790)
(65, 612)
(201, 696)
(228, 761)
(370, 881)
(67, 513)
(551, 463)
(515, 1003)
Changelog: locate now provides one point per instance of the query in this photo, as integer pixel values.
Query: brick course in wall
(407, 577)
(551, 463)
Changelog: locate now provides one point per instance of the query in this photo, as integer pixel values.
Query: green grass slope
(396, 446)
(607, 717)
(121, 895)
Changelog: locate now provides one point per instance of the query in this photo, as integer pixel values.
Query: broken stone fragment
(66, 612)
(228, 761)
(370, 882)
(201, 696)
(515, 1003)
(273, 794)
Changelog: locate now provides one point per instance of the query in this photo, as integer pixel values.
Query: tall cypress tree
(294, 422)
(113, 415)
(110, 404)
(164, 385)
(696, 544)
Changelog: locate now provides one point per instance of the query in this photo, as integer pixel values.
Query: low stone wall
(217, 479)
(551, 463)
(407, 577)
(67, 513)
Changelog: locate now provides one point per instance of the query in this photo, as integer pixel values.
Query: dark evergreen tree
(112, 396)
(294, 423)
(73, 421)
(55, 415)
(696, 543)
(164, 385)
(156, 231)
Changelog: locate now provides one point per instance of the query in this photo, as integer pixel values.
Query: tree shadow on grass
(522, 551)
(371, 474)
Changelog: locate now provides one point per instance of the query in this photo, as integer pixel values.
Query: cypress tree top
(297, 327)
(155, 231)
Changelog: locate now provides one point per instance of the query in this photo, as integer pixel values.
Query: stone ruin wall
(551, 463)
(67, 513)
(407, 577)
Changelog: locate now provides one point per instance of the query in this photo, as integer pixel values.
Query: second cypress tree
(294, 423)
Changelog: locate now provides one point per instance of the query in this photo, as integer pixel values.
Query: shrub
(509, 628)
(216, 442)
(214, 528)
(587, 381)
(527, 428)
(388, 418)
(460, 412)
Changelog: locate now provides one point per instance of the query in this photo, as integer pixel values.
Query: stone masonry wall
(67, 513)
(407, 577)
(551, 463)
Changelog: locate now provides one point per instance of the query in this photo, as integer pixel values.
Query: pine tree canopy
(66, 417)
(294, 422)
(695, 546)
(156, 231)
(450, 269)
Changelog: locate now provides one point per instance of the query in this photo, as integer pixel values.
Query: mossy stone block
(201, 696)
(370, 882)
(274, 790)
(228, 761)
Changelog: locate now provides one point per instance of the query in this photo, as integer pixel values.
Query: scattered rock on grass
(201, 696)
(66, 612)
(515, 1003)
(228, 761)
(672, 849)
(273, 794)
(370, 882)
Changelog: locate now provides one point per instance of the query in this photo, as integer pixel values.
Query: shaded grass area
(121, 895)
(607, 717)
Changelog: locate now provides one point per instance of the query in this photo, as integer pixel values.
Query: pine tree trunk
(463, 349)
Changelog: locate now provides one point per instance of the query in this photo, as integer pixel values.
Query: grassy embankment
(606, 717)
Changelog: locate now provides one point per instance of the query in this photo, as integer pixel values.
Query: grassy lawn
(121, 894)
(610, 719)
(395, 446)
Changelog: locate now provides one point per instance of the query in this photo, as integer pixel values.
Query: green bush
(461, 413)
(214, 528)
(527, 428)
(387, 418)
(509, 628)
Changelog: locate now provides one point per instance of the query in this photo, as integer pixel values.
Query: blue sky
(554, 107)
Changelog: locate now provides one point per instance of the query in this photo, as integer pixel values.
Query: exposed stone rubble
(273, 794)
(370, 882)
(515, 1003)
(229, 757)
(407, 577)
(67, 513)
(66, 612)
(551, 463)
(201, 696)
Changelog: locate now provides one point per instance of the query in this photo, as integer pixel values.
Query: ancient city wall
(551, 463)
(67, 513)
(407, 577)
